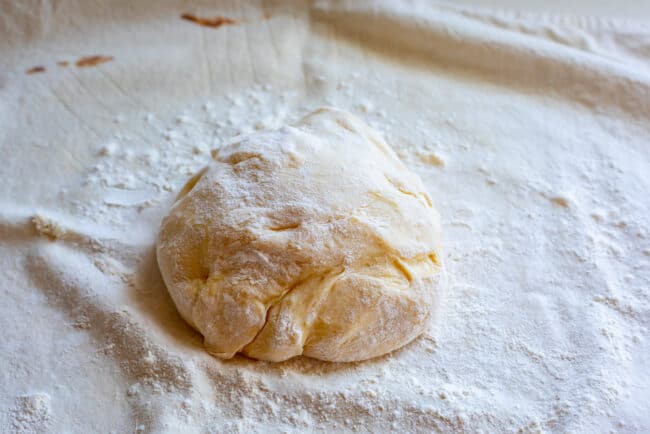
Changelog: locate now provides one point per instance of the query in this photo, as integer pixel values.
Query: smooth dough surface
(312, 239)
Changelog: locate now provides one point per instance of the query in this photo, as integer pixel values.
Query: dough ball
(313, 239)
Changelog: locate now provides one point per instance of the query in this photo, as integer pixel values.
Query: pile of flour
(530, 134)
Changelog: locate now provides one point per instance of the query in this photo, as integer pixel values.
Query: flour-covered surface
(530, 132)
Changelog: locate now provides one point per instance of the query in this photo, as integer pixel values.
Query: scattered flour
(533, 148)
(31, 413)
(47, 227)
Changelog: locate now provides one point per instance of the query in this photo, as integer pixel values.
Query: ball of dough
(312, 239)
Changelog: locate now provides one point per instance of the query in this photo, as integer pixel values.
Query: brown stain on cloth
(214, 22)
(35, 70)
(83, 62)
(87, 61)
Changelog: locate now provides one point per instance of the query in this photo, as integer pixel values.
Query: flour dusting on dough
(541, 122)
